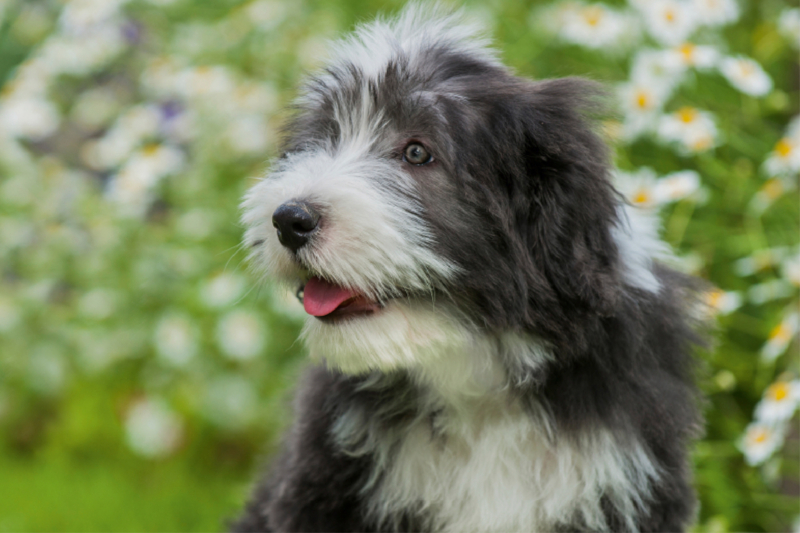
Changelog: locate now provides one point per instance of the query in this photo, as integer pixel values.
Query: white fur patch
(637, 239)
(497, 470)
(416, 30)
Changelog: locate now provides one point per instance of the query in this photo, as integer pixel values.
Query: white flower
(127, 133)
(789, 25)
(231, 402)
(638, 187)
(595, 26)
(780, 337)
(208, 82)
(790, 269)
(241, 335)
(670, 22)
(769, 192)
(760, 441)
(676, 186)
(746, 75)
(175, 339)
(31, 118)
(769, 290)
(641, 104)
(152, 429)
(715, 12)
(779, 402)
(82, 54)
(784, 160)
(694, 55)
(658, 68)
(691, 129)
(758, 261)
(723, 302)
(131, 187)
(78, 15)
(222, 290)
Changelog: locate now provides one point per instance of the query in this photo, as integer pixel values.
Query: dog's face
(426, 197)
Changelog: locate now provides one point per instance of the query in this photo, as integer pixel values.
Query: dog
(498, 346)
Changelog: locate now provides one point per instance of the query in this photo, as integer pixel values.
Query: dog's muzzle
(295, 221)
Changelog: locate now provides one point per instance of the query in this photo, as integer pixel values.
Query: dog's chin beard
(399, 333)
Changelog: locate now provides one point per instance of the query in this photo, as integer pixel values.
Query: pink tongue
(321, 298)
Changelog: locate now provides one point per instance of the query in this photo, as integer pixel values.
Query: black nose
(295, 222)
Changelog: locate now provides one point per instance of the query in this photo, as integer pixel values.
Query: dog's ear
(570, 205)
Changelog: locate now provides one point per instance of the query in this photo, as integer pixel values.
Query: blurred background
(144, 373)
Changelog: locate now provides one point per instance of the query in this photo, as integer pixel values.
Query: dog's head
(426, 195)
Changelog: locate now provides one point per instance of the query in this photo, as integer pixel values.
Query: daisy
(760, 441)
(694, 55)
(677, 186)
(175, 340)
(222, 290)
(594, 26)
(772, 189)
(746, 75)
(715, 12)
(152, 429)
(780, 337)
(691, 129)
(723, 302)
(773, 289)
(779, 402)
(638, 186)
(790, 269)
(758, 261)
(669, 22)
(784, 160)
(657, 68)
(240, 335)
(641, 103)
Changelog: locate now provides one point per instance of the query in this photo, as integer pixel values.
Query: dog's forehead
(390, 72)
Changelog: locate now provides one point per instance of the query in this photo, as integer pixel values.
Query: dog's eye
(416, 154)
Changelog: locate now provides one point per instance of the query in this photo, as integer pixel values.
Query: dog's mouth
(332, 303)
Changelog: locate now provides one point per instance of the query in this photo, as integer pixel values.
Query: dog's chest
(499, 475)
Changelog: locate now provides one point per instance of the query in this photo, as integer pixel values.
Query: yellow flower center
(593, 15)
(746, 69)
(669, 15)
(642, 99)
(687, 51)
(759, 435)
(784, 147)
(687, 114)
(782, 332)
(778, 391)
(642, 196)
(714, 298)
(150, 149)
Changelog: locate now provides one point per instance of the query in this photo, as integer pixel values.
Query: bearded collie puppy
(497, 348)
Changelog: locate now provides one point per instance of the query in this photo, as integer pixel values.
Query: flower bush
(143, 364)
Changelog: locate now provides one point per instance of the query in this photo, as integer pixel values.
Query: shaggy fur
(529, 368)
